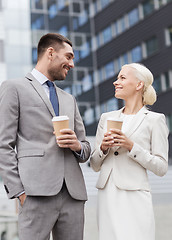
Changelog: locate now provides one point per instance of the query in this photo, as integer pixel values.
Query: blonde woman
(125, 210)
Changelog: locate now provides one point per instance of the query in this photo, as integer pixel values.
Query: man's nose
(71, 63)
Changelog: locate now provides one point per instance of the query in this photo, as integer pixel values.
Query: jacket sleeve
(79, 130)
(97, 156)
(9, 117)
(157, 159)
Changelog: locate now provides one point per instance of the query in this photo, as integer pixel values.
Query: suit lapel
(38, 87)
(137, 120)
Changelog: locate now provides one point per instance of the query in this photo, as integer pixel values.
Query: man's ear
(50, 52)
(140, 85)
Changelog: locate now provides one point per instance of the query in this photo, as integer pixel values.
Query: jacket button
(116, 153)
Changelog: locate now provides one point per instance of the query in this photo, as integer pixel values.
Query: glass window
(157, 84)
(116, 24)
(133, 17)
(125, 58)
(61, 4)
(79, 89)
(103, 108)
(34, 55)
(119, 63)
(109, 70)
(170, 34)
(75, 23)
(74, 92)
(112, 104)
(39, 4)
(148, 7)
(89, 116)
(170, 122)
(104, 3)
(78, 41)
(63, 30)
(1, 51)
(100, 75)
(68, 90)
(79, 73)
(97, 112)
(118, 27)
(107, 34)
(167, 80)
(123, 27)
(83, 18)
(38, 23)
(160, 2)
(53, 11)
(136, 54)
(85, 50)
(95, 4)
(76, 7)
(151, 46)
(77, 56)
(87, 83)
(98, 40)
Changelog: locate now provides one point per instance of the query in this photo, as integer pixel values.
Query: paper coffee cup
(113, 123)
(59, 123)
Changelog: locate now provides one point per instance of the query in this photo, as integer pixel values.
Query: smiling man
(41, 171)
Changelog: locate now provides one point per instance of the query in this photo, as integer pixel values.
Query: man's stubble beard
(56, 75)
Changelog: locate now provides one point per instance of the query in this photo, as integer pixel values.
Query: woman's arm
(157, 159)
(97, 156)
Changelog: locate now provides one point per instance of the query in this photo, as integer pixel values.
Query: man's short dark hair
(54, 40)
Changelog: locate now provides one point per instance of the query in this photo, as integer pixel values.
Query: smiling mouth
(116, 89)
(67, 68)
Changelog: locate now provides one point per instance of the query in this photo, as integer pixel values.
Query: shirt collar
(39, 76)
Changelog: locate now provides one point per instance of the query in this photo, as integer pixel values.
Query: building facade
(107, 34)
(15, 39)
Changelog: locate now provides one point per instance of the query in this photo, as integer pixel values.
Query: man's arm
(79, 130)
(75, 140)
(9, 120)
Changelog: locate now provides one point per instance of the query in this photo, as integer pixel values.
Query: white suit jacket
(149, 133)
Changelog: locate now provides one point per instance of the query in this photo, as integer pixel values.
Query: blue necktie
(53, 97)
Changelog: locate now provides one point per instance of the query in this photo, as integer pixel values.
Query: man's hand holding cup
(65, 137)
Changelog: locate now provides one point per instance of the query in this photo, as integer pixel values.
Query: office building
(15, 39)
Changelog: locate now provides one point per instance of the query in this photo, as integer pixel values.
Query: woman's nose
(115, 82)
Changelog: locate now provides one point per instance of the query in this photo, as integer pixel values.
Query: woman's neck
(132, 108)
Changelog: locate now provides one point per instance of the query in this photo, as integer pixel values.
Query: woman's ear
(140, 85)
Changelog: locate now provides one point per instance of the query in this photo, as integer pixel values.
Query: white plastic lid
(60, 118)
(116, 120)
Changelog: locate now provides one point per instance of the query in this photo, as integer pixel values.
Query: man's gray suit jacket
(30, 159)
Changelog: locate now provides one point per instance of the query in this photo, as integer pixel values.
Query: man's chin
(60, 80)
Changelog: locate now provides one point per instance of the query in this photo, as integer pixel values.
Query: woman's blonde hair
(143, 74)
